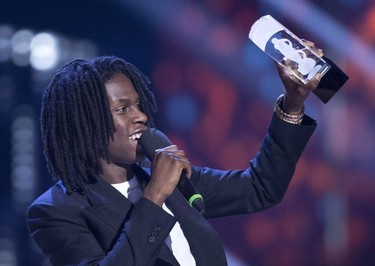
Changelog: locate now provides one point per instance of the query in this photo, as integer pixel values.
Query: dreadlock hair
(76, 120)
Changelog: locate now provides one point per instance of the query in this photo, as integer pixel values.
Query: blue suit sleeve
(66, 238)
(264, 183)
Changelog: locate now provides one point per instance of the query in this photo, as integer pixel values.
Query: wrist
(290, 106)
(293, 117)
(154, 194)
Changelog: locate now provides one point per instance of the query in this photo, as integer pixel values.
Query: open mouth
(135, 136)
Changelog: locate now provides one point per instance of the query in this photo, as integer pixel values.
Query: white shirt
(176, 239)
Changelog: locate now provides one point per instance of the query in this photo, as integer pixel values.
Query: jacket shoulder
(56, 195)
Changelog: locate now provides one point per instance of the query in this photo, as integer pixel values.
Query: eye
(122, 109)
(127, 107)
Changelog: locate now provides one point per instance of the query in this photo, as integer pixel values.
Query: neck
(114, 174)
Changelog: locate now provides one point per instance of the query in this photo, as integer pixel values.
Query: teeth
(135, 136)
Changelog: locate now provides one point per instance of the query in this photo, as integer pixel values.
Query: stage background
(215, 90)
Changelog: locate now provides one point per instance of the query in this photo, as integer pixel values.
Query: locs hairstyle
(76, 121)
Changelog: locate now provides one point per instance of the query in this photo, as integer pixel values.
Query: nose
(138, 116)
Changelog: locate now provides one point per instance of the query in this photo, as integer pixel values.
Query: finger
(181, 162)
(170, 152)
(317, 51)
(320, 53)
(308, 43)
(314, 82)
(312, 46)
(283, 71)
(175, 153)
(186, 166)
(167, 148)
(172, 148)
(295, 80)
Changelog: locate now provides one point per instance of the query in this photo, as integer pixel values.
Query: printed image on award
(301, 61)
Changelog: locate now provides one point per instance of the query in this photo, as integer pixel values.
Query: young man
(105, 209)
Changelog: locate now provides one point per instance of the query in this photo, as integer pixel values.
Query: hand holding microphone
(167, 165)
(170, 168)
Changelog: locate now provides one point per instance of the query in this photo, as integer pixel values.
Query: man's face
(128, 120)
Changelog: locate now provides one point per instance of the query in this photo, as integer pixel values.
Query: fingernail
(318, 77)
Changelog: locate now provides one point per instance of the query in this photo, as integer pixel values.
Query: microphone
(153, 139)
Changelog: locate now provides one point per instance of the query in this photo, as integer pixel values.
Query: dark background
(215, 90)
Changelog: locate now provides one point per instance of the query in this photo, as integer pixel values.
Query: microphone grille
(153, 139)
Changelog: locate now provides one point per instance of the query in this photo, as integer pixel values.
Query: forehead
(119, 87)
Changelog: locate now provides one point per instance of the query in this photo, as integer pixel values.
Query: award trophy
(301, 61)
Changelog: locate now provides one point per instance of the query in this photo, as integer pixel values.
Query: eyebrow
(125, 100)
(122, 100)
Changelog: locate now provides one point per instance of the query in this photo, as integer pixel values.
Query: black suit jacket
(102, 227)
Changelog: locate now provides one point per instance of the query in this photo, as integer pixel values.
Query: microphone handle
(190, 193)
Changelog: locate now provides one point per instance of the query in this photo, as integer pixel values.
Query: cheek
(120, 141)
(121, 148)
(120, 131)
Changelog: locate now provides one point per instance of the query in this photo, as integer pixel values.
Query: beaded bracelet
(290, 118)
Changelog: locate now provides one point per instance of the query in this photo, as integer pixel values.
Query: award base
(331, 82)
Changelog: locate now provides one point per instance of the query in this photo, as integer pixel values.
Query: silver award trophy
(301, 61)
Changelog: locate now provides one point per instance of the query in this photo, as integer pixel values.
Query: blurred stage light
(23, 172)
(7, 251)
(20, 43)
(223, 40)
(50, 51)
(182, 111)
(6, 33)
(44, 51)
(269, 84)
(256, 61)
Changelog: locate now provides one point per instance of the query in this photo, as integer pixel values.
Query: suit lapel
(107, 203)
(197, 231)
